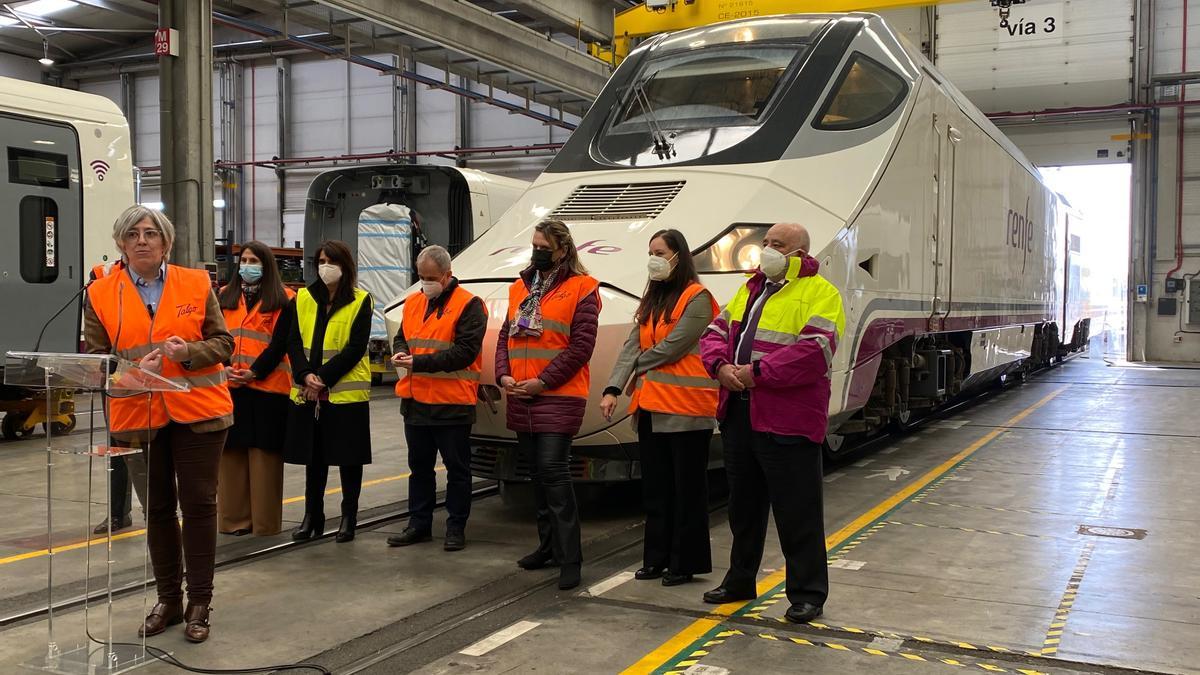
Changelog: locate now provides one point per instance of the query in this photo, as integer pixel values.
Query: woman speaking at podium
(166, 318)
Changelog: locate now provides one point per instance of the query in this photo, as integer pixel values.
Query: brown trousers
(250, 491)
(182, 468)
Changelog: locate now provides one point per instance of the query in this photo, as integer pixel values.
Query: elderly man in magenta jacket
(772, 351)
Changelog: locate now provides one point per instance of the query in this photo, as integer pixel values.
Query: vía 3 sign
(1030, 23)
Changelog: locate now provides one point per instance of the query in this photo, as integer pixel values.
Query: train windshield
(703, 91)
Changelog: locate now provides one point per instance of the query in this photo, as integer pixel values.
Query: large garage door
(1071, 143)
(1053, 54)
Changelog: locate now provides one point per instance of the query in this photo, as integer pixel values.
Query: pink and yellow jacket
(792, 353)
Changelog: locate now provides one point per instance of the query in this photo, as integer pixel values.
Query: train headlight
(737, 249)
(748, 255)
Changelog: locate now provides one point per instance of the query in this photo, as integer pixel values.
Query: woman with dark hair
(542, 357)
(330, 420)
(674, 409)
(259, 313)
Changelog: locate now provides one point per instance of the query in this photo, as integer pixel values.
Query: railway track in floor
(846, 455)
(393, 513)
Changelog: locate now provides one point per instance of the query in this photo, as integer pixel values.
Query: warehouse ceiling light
(37, 8)
(46, 60)
(45, 7)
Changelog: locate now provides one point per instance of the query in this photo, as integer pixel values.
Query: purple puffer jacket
(791, 383)
(553, 414)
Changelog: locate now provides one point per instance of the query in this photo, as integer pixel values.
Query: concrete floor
(956, 547)
(23, 500)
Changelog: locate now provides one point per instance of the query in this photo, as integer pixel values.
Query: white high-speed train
(950, 253)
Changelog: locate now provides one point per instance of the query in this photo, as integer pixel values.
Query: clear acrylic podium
(109, 377)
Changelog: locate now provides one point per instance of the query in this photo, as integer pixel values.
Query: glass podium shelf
(84, 450)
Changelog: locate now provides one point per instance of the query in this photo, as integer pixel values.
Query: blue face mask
(250, 273)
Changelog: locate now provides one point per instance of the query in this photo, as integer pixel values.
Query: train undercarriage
(919, 375)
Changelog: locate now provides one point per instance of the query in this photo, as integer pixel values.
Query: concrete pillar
(186, 130)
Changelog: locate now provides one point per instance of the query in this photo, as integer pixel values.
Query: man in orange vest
(440, 347)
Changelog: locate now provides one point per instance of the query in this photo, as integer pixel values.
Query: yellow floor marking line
(1058, 625)
(970, 529)
(95, 541)
(909, 656)
(856, 541)
(662, 656)
(899, 636)
(988, 508)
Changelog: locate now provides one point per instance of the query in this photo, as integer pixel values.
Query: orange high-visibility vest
(682, 387)
(134, 334)
(252, 332)
(529, 356)
(435, 333)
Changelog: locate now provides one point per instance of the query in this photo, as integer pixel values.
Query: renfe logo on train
(1020, 232)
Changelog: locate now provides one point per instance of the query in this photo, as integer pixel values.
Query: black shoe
(669, 579)
(649, 572)
(721, 595)
(536, 561)
(803, 612)
(409, 537)
(456, 540)
(311, 527)
(345, 531)
(569, 577)
(238, 533)
(115, 523)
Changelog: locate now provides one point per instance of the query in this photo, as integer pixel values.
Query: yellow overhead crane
(661, 16)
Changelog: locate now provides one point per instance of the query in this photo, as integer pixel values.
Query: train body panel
(68, 176)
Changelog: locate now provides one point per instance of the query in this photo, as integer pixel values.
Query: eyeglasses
(132, 236)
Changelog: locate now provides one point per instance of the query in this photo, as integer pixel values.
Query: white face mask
(659, 268)
(329, 273)
(773, 263)
(431, 289)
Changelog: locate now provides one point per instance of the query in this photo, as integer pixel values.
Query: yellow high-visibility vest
(355, 387)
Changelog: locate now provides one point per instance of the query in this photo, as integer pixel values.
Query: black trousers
(315, 478)
(675, 493)
(424, 443)
(554, 495)
(120, 496)
(768, 472)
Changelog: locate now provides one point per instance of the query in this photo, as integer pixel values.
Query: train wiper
(662, 147)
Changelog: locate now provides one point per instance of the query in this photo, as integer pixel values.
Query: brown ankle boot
(196, 629)
(162, 615)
